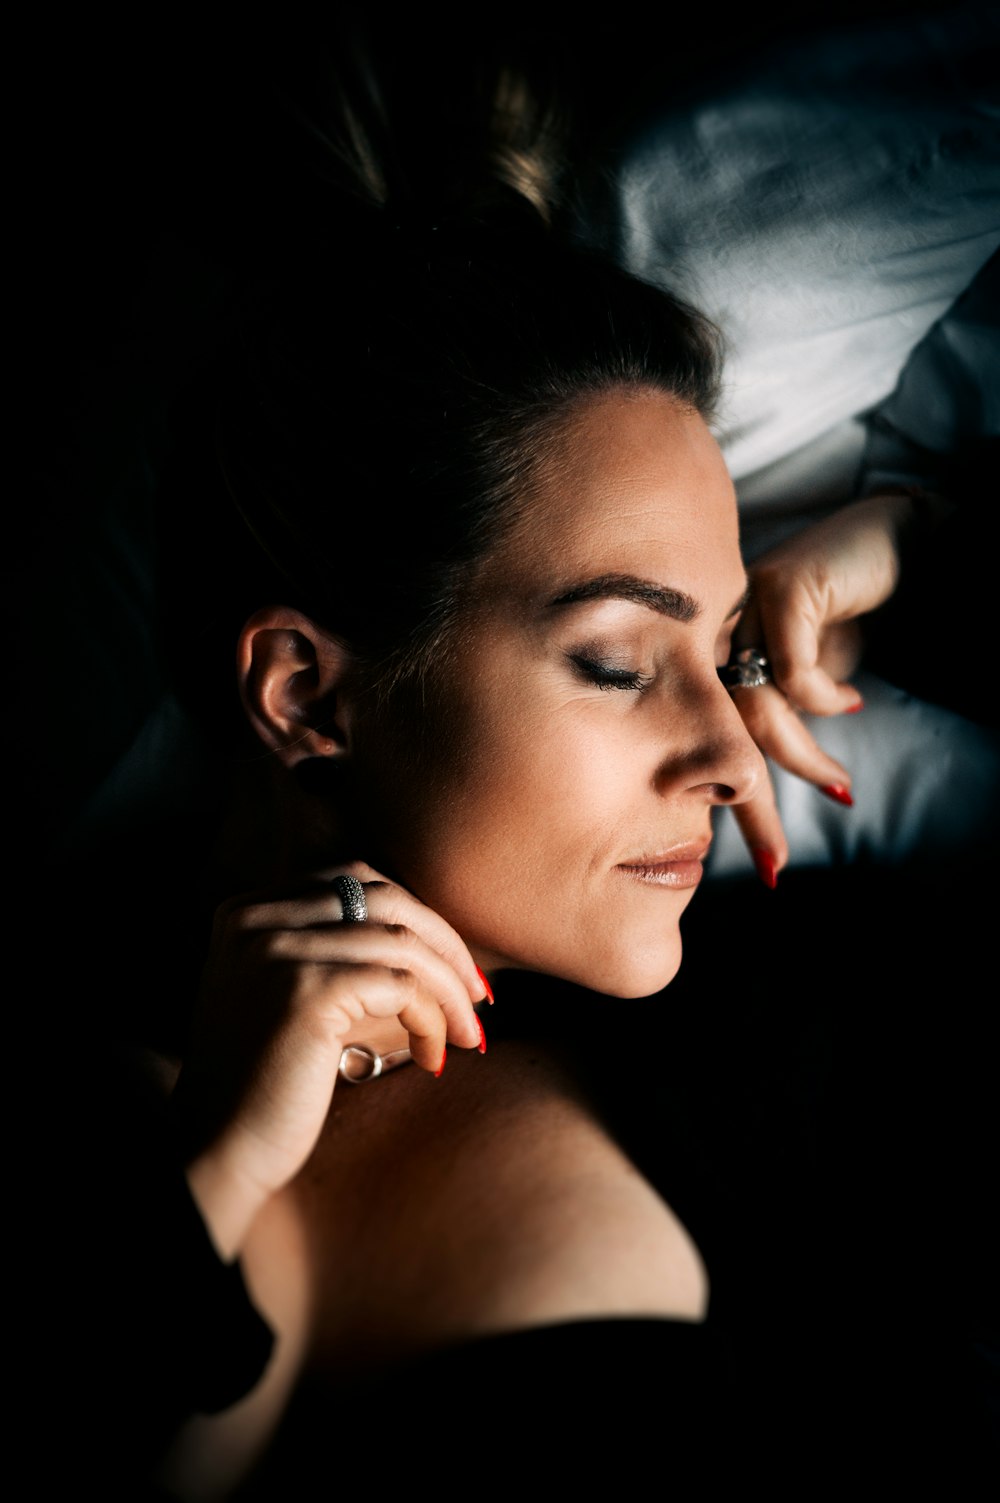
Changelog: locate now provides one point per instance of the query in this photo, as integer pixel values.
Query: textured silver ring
(352, 899)
(747, 669)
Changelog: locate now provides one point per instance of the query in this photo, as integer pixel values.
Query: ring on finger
(352, 899)
(747, 669)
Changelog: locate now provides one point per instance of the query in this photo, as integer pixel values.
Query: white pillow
(825, 207)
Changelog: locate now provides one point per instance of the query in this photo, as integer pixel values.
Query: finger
(814, 692)
(782, 735)
(395, 949)
(841, 652)
(316, 904)
(428, 1035)
(760, 825)
(351, 994)
(791, 636)
(389, 903)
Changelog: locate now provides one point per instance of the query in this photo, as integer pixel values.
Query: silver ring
(360, 1063)
(352, 899)
(747, 669)
(370, 1064)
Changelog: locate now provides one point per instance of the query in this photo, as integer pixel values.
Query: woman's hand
(286, 986)
(807, 596)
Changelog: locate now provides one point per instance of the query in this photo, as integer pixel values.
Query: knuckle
(364, 873)
(383, 896)
(250, 916)
(269, 944)
(230, 917)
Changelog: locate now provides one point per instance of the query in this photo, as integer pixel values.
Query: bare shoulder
(437, 1211)
(496, 1203)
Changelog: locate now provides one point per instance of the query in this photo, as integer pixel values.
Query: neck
(274, 830)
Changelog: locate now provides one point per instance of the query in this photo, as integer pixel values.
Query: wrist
(227, 1203)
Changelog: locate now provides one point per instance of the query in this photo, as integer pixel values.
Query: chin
(640, 975)
(626, 972)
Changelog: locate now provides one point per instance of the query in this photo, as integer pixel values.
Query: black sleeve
(581, 1407)
(939, 433)
(146, 1325)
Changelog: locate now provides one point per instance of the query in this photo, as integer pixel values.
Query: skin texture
(554, 790)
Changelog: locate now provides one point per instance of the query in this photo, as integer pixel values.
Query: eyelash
(610, 678)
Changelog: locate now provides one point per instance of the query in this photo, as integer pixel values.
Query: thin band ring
(352, 899)
(360, 1063)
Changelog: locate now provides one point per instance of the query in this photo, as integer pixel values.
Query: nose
(719, 760)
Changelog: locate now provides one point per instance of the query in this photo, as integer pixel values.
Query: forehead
(632, 482)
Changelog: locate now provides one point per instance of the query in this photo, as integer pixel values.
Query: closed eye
(607, 677)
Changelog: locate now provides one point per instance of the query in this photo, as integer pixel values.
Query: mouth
(680, 867)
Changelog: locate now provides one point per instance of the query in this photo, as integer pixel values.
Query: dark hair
(377, 419)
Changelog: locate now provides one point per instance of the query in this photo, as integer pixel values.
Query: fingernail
(440, 1069)
(482, 1036)
(767, 871)
(486, 984)
(839, 792)
(853, 709)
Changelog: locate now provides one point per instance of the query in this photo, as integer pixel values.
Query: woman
(524, 746)
(458, 506)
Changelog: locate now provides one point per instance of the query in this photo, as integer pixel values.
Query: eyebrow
(676, 604)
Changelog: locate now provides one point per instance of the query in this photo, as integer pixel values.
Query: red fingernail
(440, 1069)
(486, 984)
(482, 1036)
(767, 871)
(853, 709)
(839, 792)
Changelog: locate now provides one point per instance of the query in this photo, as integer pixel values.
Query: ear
(292, 676)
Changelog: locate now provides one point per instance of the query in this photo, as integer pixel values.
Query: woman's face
(586, 735)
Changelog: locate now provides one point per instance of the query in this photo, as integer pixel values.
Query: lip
(679, 867)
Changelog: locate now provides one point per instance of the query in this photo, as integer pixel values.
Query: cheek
(473, 828)
(529, 775)
(477, 827)
(515, 844)
(512, 823)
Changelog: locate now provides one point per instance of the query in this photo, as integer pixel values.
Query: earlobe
(291, 678)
